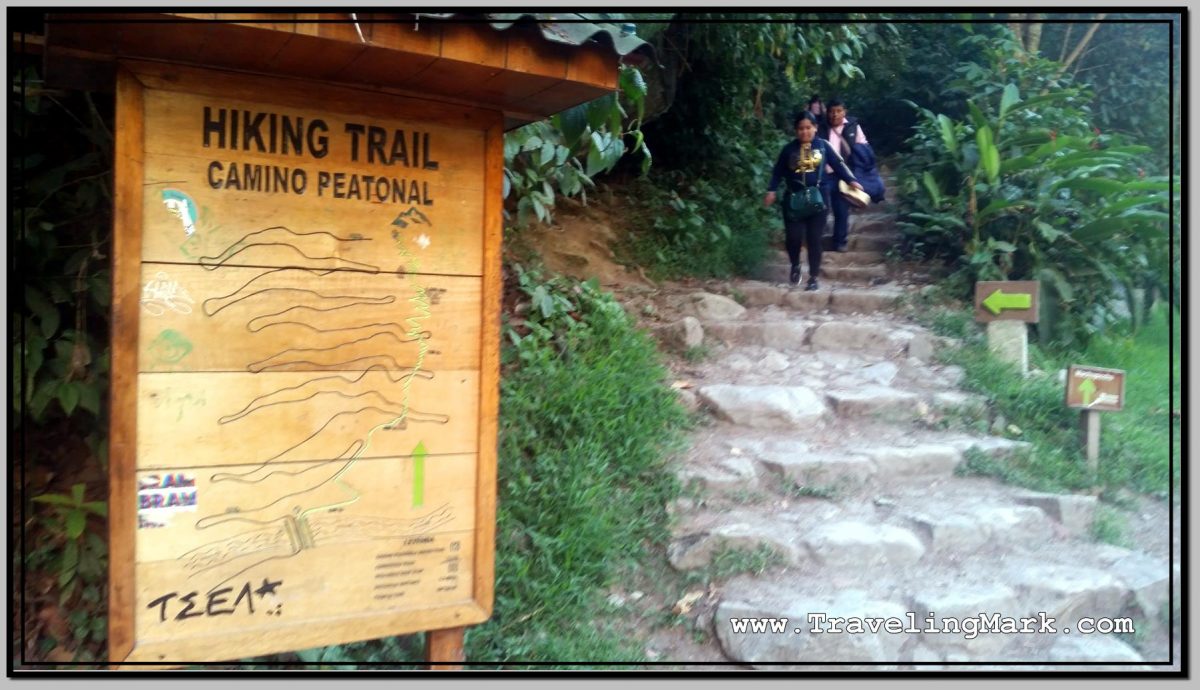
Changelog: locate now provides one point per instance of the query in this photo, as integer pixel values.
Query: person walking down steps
(842, 132)
(801, 167)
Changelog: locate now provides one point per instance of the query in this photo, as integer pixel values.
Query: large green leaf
(948, 138)
(572, 122)
(931, 186)
(1092, 184)
(1009, 99)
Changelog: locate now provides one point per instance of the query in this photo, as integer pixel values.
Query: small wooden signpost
(1094, 390)
(1006, 306)
(306, 325)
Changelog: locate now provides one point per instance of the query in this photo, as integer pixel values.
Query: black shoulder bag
(807, 201)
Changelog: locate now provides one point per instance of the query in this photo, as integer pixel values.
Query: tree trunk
(1033, 39)
(1018, 29)
(1087, 37)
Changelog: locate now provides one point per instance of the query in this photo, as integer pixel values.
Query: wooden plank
(445, 645)
(274, 418)
(301, 94)
(277, 459)
(529, 53)
(268, 319)
(593, 65)
(315, 57)
(473, 44)
(127, 250)
(289, 635)
(213, 517)
(489, 384)
(414, 219)
(397, 54)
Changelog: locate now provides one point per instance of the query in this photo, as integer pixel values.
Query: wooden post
(445, 645)
(1089, 427)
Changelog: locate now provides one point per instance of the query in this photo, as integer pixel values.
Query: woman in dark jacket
(801, 165)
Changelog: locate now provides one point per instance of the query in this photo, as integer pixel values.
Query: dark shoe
(795, 278)
(812, 285)
(841, 247)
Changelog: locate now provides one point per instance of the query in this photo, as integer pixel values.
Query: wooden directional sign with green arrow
(1006, 300)
(1092, 388)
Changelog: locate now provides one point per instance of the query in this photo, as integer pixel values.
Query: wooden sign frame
(1074, 401)
(1010, 288)
(135, 80)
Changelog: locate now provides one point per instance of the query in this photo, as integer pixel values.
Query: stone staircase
(834, 446)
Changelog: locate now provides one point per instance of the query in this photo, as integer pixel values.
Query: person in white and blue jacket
(801, 164)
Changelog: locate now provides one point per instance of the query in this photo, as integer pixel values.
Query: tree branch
(1082, 44)
(1062, 54)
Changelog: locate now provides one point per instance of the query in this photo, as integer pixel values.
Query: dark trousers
(841, 213)
(807, 231)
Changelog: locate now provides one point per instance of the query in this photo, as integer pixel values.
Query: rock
(961, 602)
(681, 335)
(852, 544)
(921, 346)
(1093, 649)
(875, 338)
(764, 407)
(760, 295)
(806, 469)
(688, 399)
(785, 335)
(709, 307)
(873, 400)
(738, 362)
(863, 301)
(782, 335)
(964, 403)
(774, 361)
(1073, 512)
(1012, 523)
(952, 375)
(993, 447)
(882, 373)
(696, 550)
(1070, 592)
(806, 301)
(838, 360)
(949, 532)
(616, 599)
(1149, 580)
(927, 458)
(798, 643)
(733, 471)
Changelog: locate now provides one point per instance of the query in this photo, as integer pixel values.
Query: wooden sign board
(1093, 388)
(305, 365)
(1006, 300)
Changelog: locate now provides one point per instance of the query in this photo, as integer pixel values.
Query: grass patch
(729, 561)
(697, 353)
(698, 228)
(1135, 451)
(586, 427)
(1109, 526)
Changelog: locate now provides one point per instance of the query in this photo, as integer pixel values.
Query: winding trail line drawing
(285, 525)
(288, 236)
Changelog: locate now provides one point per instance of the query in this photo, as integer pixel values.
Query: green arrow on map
(1000, 300)
(419, 474)
(1087, 388)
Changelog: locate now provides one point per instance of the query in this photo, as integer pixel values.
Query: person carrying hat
(801, 165)
(841, 132)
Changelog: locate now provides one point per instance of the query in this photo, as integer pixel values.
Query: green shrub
(585, 426)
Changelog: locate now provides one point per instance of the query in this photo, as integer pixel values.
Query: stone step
(876, 402)
(780, 273)
(778, 335)
(864, 243)
(764, 407)
(875, 337)
(829, 258)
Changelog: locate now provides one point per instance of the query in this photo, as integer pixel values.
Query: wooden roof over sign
(512, 64)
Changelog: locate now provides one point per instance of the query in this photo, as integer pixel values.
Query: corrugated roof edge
(567, 29)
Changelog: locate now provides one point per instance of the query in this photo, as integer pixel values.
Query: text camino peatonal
(286, 135)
